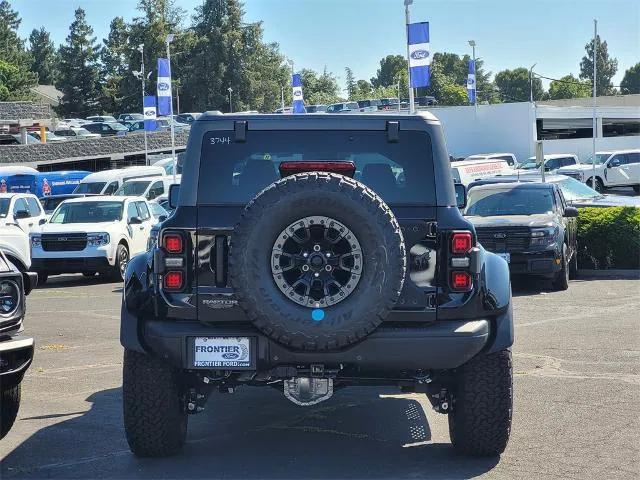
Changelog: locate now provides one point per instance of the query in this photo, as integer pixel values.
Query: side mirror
(20, 214)
(174, 195)
(42, 221)
(570, 212)
(135, 221)
(162, 218)
(461, 195)
(613, 163)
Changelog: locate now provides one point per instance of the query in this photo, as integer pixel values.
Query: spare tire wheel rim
(316, 261)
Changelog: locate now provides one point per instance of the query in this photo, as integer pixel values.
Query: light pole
(290, 62)
(142, 77)
(169, 39)
(282, 98)
(230, 90)
(595, 120)
(407, 22)
(531, 82)
(472, 44)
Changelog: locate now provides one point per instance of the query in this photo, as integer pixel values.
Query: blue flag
(471, 82)
(298, 99)
(164, 87)
(150, 113)
(419, 53)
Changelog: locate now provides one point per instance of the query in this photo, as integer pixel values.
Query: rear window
(90, 187)
(233, 173)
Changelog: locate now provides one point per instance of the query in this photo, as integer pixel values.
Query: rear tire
(155, 420)
(599, 186)
(9, 405)
(561, 280)
(480, 419)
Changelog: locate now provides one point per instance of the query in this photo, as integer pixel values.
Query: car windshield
(600, 158)
(4, 206)
(529, 165)
(82, 131)
(572, 189)
(88, 212)
(50, 204)
(134, 188)
(515, 200)
(117, 126)
(90, 187)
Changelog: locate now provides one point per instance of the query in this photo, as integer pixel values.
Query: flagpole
(173, 140)
(595, 120)
(146, 146)
(412, 107)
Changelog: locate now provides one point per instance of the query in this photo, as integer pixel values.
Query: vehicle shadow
(73, 280)
(255, 433)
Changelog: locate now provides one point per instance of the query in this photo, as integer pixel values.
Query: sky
(358, 33)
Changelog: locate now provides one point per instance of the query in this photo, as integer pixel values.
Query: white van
(147, 187)
(510, 158)
(468, 171)
(108, 181)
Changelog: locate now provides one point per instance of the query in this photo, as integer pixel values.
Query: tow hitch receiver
(308, 391)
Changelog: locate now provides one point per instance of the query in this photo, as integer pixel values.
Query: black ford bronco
(16, 350)
(308, 254)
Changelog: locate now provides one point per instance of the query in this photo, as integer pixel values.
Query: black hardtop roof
(328, 119)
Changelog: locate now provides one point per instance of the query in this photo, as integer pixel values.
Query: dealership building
(564, 126)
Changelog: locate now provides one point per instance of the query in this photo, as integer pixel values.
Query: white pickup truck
(613, 169)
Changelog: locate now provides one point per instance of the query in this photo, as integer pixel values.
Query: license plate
(506, 256)
(222, 352)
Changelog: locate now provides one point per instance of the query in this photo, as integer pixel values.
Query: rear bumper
(16, 355)
(70, 265)
(443, 345)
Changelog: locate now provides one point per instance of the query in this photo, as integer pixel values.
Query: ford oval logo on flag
(470, 82)
(419, 54)
(297, 93)
(163, 87)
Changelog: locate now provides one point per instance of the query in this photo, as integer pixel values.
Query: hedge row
(609, 238)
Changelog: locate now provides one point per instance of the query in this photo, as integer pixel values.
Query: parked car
(8, 139)
(316, 108)
(468, 171)
(529, 225)
(92, 234)
(21, 209)
(50, 136)
(101, 119)
(50, 203)
(158, 212)
(286, 110)
(107, 129)
(577, 194)
(130, 117)
(14, 242)
(76, 133)
(388, 103)
(108, 181)
(343, 107)
(368, 105)
(16, 350)
(147, 187)
(164, 123)
(552, 163)
(510, 158)
(620, 168)
(426, 101)
(186, 118)
(289, 273)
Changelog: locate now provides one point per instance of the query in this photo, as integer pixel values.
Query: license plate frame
(225, 352)
(505, 256)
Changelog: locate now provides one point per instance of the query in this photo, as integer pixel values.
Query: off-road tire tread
(154, 418)
(480, 420)
(9, 406)
(378, 211)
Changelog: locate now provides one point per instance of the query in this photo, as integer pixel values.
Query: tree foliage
(44, 58)
(606, 67)
(16, 79)
(630, 83)
(391, 67)
(514, 85)
(350, 82)
(569, 87)
(319, 89)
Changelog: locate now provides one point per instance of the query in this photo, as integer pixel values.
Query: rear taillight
(460, 278)
(291, 168)
(172, 243)
(173, 280)
(461, 243)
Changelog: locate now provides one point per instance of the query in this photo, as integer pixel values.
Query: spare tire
(317, 261)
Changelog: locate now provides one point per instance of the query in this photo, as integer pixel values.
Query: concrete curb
(613, 273)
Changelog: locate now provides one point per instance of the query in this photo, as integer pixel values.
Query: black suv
(312, 253)
(16, 351)
(529, 225)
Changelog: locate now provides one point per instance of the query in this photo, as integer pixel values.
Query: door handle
(31, 224)
(141, 227)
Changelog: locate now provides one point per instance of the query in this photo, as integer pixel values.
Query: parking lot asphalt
(576, 413)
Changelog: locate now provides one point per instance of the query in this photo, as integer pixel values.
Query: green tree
(350, 82)
(391, 67)
(514, 85)
(16, 79)
(569, 87)
(115, 56)
(606, 67)
(630, 83)
(456, 70)
(363, 90)
(44, 58)
(319, 89)
(452, 94)
(79, 78)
